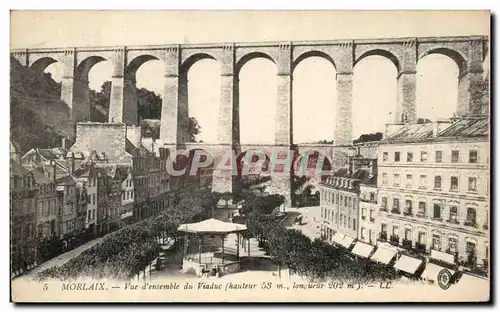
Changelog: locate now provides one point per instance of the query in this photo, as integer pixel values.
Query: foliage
(370, 137)
(324, 142)
(125, 252)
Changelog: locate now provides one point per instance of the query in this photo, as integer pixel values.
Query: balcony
(471, 223)
(485, 226)
(383, 237)
(452, 221)
(407, 244)
(440, 219)
(394, 240)
(408, 213)
(421, 216)
(420, 248)
(384, 209)
(363, 217)
(396, 211)
(372, 219)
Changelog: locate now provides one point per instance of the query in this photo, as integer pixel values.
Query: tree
(193, 129)
(370, 137)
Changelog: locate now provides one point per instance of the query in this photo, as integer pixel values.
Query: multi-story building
(368, 210)
(47, 206)
(127, 197)
(434, 190)
(23, 192)
(67, 199)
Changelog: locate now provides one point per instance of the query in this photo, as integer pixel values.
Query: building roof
(472, 127)
(17, 170)
(40, 177)
(66, 180)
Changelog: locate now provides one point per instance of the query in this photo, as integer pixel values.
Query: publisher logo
(444, 279)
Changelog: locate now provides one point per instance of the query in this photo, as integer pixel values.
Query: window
(421, 237)
(473, 157)
(363, 213)
(423, 181)
(471, 216)
(349, 222)
(372, 196)
(436, 242)
(383, 228)
(439, 156)
(395, 230)
(371, 215)
(437, 211)
(472, 184)
(397, 180)
(452, 245)
(363, 233)
(409, 157)
(437, 182)
(384, 178)
(423, 156)
(455, 156)
(396, 156)
(454, 184)
(408, 234)
(93, 199)
(385, 156)
(453, 213)
(409, 179)
(384, 202)
(345, 201)
(408, 207)
(395, 204)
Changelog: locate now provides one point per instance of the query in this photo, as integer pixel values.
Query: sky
(314, 87)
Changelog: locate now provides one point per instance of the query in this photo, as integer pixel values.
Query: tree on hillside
(369, 137)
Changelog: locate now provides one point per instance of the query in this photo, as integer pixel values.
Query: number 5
(45, 286)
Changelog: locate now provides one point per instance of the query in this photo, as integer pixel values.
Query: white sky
(374, 77)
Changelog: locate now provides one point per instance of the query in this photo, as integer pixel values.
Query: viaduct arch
(468, 52)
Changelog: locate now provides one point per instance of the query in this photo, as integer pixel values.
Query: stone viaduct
(468, 52)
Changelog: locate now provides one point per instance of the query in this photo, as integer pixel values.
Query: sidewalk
(62, 259)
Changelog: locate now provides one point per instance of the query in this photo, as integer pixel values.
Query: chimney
(72, 163)
(435, 128)
(53, 165)
(350, 164)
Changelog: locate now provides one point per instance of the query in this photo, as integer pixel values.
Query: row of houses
(425, 193)
(111, 176)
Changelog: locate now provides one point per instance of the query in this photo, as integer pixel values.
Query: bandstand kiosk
(210, 237)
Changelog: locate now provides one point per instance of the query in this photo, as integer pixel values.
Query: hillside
(38, 118)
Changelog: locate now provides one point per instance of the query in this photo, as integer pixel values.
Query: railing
(455, 221)
(406, 243)
(471, 223)
(383, 236)
(408, 213)
(420, 248)
(396, 211)
(394, 239)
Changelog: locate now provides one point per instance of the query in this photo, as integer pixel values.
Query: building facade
(434, 190)
(23, 204)
(47, 206)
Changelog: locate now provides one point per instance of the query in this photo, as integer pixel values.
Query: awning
(383, 255)
(126, 215)
(432, 270)
(338, 238)
(443, 256)
(347, 241)
(407, 264)
(362, 249)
